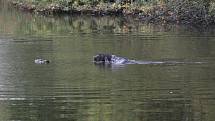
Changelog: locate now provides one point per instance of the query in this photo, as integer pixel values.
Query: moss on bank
(161, 11)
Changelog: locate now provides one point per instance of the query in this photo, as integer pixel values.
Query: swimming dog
(110, 59)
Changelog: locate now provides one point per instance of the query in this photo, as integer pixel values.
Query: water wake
(116, 60)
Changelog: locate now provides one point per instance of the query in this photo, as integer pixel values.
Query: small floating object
(41, 61)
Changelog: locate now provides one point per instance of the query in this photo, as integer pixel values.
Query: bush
(183, 11)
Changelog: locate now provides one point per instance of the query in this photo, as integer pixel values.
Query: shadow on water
(72, 88)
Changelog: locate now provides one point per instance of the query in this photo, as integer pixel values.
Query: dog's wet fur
(41, 61)
(102, 58)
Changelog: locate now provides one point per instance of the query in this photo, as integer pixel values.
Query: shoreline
(161, 14)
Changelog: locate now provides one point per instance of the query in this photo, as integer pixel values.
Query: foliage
(185, 11)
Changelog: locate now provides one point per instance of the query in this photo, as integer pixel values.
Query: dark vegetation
(157, 11)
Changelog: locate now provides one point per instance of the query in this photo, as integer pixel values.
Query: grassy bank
(164, 11)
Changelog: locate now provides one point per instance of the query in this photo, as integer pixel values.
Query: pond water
(72, 88)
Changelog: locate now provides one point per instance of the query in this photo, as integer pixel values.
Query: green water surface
(72, 88)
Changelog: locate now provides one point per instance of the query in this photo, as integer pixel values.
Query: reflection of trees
(39, 25)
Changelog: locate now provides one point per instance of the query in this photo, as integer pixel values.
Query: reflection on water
(72, 88)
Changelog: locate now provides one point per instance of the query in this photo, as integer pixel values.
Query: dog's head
(102, 58)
